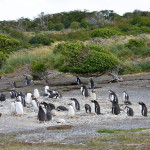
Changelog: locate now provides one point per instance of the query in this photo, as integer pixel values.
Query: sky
(15, 9)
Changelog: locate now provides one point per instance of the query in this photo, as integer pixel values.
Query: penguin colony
(46, 111)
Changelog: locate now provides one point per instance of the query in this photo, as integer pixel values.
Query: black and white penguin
(115, 108)
(41, 114)
(14, 84)
(93, 95)
(143, 108)
(55, 94)
(71, 111)
(26, 81)
(126, 98)
(2, 97)
(96, 107)
(78, 81)
(75, 104)
(84, 90)
(12, 108)
(36, 93)
(48, 113)
(61, 108)
(13, 94)
(19, 108)
(21, 97)
(28, 98)
(91, 84)
(87, 108)
(129, 111)
(35, 104)
(113, 96)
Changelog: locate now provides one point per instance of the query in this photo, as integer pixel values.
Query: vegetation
(8, 44)
(78, 58)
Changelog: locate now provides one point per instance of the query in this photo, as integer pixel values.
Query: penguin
(143, 108)
(96, 107)
(19, 108)
(78, 81)
(115, 108)
(26, 81)
(75, 104)
(48, 113)
(49, 105)
(126, 98)
(129, 111)
(36, 93)
(71, 111)
(2, 97)
(28, 98)
(87, 108)
(113, 96)
(41, 114)
(84, 91)
(46, 89)
(52, 106)
(35, 104)
(91, 84)
(12, 108)
(61, 108)
(22, 98)
(93, 95)
(14, 84)
(13, 94)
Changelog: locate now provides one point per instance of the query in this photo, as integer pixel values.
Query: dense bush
(40, 40)
(2, 59)
(8, 44)
(135, 43)
(105, 32)
(78, 58)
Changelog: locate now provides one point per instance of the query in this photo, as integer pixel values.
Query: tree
(75, 25)
(39, 69)
(59, 26)
(51, 25)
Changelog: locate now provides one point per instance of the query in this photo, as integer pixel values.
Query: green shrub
(40, 40)
(135, 43)
(145, 66)
(105, 32)
(78, 58)
(2, 59)
(8, 44)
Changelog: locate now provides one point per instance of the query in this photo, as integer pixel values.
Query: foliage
(39, 68)
(85, 24)
(78, 58)
(74, 25)
(59, 26)
(2, 59)
(105, 32)
(40, 40)
(8, 44)
(135, 43)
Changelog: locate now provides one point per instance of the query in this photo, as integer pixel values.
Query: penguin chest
(73, 104)
(34, 103)
(19, 108)
(141, 109)
(12, 108)
(93, 107)
(28, 98)
(36, 93)
(71, 112)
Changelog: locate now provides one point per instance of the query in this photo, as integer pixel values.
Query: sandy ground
(84, 126)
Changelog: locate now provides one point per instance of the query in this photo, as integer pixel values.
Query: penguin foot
(21, 115)
(93, 113)
(17, 115)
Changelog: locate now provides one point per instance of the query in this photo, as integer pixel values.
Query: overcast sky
(15, 9)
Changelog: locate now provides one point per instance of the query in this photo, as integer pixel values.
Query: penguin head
(93, 101)
(141, 103)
